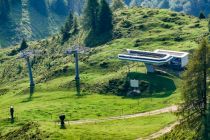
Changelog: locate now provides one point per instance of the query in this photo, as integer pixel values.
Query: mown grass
(135, 28)
(126, 129)
(48, 102)
(121, 129)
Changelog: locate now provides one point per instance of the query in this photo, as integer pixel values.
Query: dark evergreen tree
(75, 28)
(65, 30)
(194, 91)
(97, 22)
(202, 16)
(90, 16)
(69, 22)
(90, 19)
(23, 45)
(105, 25)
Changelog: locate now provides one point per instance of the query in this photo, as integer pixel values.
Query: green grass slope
(103, 77)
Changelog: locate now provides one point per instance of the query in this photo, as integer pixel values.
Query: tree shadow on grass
(160, 86)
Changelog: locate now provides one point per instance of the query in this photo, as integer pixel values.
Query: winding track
(161, 132)
(150, 113)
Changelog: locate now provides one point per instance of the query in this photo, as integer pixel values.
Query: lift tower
(75, 50)
(76, 59)
(26, 55)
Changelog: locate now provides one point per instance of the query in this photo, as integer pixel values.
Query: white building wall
(185, 61)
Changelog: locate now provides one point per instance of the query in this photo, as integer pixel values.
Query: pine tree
(194, 91)
(69, 22)
(4, 9)
(23, 45)
(90, 15)
(75, 28)
(105, 25)
(202, 16)
(90, 19)
(65, 30)
(117, 4)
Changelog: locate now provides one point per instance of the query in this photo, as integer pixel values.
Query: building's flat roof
(145, 56)
(172, 53)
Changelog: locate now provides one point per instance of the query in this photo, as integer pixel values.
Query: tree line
(96, 22)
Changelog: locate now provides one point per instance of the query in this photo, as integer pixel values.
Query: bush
(166, 26)
(13, 52)
(145, 16)
(117, 33)
(170, 19)
(121, 87)
(117, 87)
(137, 43)
(126, 24)
(178, 38)
(173, 14)
(104, 65)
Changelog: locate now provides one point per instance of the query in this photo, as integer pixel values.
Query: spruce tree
(194, 91)
(75, 28)
(105, 25)
(69, 22)
(23, 45)
(65, 30)
(202, 16)
(90, 15)
(117, 4)
(90, 19)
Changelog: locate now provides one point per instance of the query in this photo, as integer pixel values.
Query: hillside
(103, 77)
(28, 20)
(193, 7)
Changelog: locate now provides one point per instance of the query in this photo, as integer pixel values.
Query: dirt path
(161, 132)
(150, 113)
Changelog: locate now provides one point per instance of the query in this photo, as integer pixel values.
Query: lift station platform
(172, 59)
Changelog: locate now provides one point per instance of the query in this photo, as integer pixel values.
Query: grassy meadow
(102, 77)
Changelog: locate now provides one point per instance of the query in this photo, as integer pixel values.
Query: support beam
(150, 68)
(30, 72)
(76, 65)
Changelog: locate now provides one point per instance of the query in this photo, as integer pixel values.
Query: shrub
(104, 65)
(126, 24)
(166, 26)
(137, 43)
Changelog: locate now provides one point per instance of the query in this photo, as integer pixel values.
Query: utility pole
(75, 50)
(26, 55)
(76, 60)
(30, 72)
